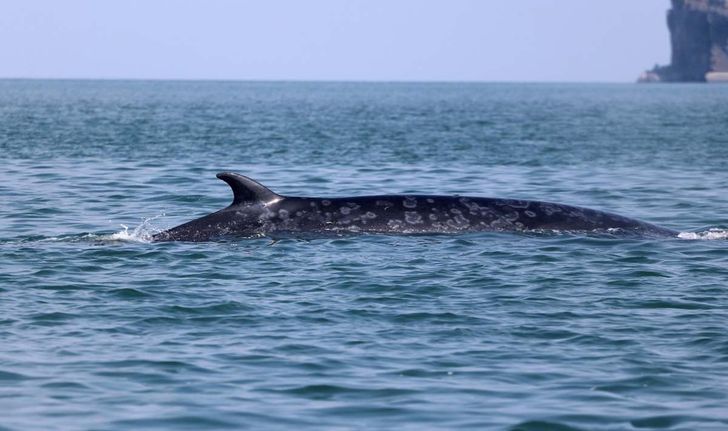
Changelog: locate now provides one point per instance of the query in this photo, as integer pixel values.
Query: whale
(256, 211)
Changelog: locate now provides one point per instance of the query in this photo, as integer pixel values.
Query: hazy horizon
(325, 40)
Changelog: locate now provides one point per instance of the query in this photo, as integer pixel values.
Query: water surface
(103, 330)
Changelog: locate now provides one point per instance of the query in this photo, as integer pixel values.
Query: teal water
(102, 330)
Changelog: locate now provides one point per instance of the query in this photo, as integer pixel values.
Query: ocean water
(102, 330)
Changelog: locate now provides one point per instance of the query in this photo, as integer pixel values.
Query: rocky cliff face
(699, 40)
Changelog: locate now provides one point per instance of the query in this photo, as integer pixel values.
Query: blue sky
(402, 40)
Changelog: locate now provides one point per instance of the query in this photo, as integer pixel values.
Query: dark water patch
(433, 318)
(130, 293)
(658, 422)
(668, 304)
(181, 422)
(139, 377)
(66, 386)
(637, 384)
(156, 323)
(646, 273)
(9, 376)
(371, 411)
(211, 309)
(331, 392)
(538, 425)
(165, 365)
(52, 318)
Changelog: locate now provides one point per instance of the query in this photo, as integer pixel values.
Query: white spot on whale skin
(550, 209)
(412, 217)
(385, 204)
(530, 213)
(473, 207)
(433, 217)
(394, 224)
(283, 214)
(325, 202)
(409, 202)
(511, 217)
(370, 215)
(500, 224)
(430, 201)
(459, 222)
(345, 210)
(267, 214)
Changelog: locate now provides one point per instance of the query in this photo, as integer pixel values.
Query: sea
(102, 329)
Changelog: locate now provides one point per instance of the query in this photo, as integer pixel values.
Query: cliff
(699, 41)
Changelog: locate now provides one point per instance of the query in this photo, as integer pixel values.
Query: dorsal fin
(247, 190)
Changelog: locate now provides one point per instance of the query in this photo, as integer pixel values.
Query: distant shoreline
(317, 81)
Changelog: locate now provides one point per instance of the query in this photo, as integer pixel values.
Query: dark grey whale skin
(257, 211)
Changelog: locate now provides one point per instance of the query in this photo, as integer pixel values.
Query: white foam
(142, 233)
(710, 234)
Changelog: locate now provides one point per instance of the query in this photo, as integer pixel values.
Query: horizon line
(315, 80)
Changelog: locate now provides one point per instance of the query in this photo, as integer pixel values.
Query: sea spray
(141, 233)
